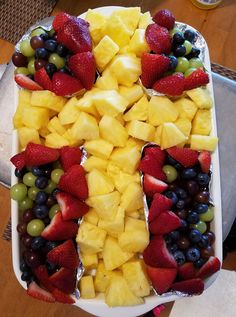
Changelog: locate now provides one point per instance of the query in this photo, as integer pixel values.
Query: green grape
(52, 32)
(32, 192)
(26, 203)
(37, 32)
(22, 70)
(175, 30)
(188, 47)
(29, 179)
(189, 71)
(195, 62)
(170, 172)
(53, 210)
(183, 64)
(35, 227)
(208, 215)
(31, 66)
(56, 175)
(57, 60)
(51, 186)
(57, 164)
(200, 226)
(26, 49)
(18, 192)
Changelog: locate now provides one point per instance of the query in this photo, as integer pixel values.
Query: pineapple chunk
(122, 180)
(186, 108)
(201, 97)
(117, 31)
(90, 238)
(132, 198)
(112, 130)
(141, 130)
(118, 293)
(72, 141)
(104, 52)
(69, 112)
(135, 142)
(136, 277)
(138, 43)
(128, 243)
(95, 162)
(47, 99)
(24, 97)
(107, 82)
(134, 214)
(113, 255)
(86, 103)
(43, 132)
(130, 17)
(102, 278)
(139, 111)
(145, 20)
(132, 94)
(115, 225)
(157, 136)
(202, 122)
(99, 183)
(97, 24)
(99, 147)
(91, 217)
(56, 140)
(35, 117)
(27, 135)
(203, 142)
(171, 135)
(130, 155)
(160, 110)
(132, 224)
(184, 125)
(119, 118)
(85, 127)
(86, 287)
(54, 125)
(90, 261)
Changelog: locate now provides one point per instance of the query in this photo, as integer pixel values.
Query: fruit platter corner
(116, 203)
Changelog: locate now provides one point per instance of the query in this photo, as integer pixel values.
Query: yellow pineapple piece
(202, 122)
(55, 140)
(119, 118)
(72, 141)
(171, 135)
(203, 142)
(97, 24)
(135, 142)
(186, 108)
(134, 214)
(201, 97)
(102, 278)
(85, 103)
(85, 127)
(115, 225)
(157, 136)
(138, 43)
(117, 31)
(35, 117)
(47, 99)
(99, 183)
(184, 125)
(145, 20)
(90, 238)
(112, 169)
(54, 125)
(95, 162)
(107, 82)
(128, 243)
(134, 224)
(24, 97)
(122, 180)
(112, 130)
(91, 217)
(141, 130)
(69, 112)
(129, 16)
(132, 94)
(90, 261)
(132, 198)
(139, 111)
(86, 287)
(27, 135)
(128, 154)
(43, 132)
(99, 147)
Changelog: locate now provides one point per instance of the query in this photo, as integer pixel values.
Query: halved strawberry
(37, 154)
(186, 271)
(61, 297)
(196, 79)
(70, 156)
(64, 280)
(185, 156)
(41, 77)
(59, 229)
(159, 204)
(210, 267)
(41, 273)
(157, 255)
(27, 83)
(73, 181)
(65, 85)
(37, 292)
(166, 222)
(161, 278)
(172, 85)
(71, 207)
(157, 153)
(204, 159)
(164, 18)
(158, 39)
(60, 19)
(64, 255)
(18, 160)
(150, 166)
(152, 185)
(194, 286)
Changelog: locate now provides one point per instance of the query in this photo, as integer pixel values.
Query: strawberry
(210, 267)
(204, 159)
(42, 275)
(157, 255)
(185, 156)
(61, 297)
(64, 280)
(58, 229)
(196, 79)
(158, 154)
(158, 39)
(60, 19)
(41, 77)
(65, 85)
(164, 18)
(159, 204)
(166, 222)
(70, 156)
(161, 278)
(18, 160)
(152, 185)
(37, 292)
(64, 255)
(37, 154)
(71, 207)
(75, 35)
(172, 85)
(150, 166)
(194, 286)
(186, 271)
(153, 67)
(73, 181)
(83, 66)
(25, 82)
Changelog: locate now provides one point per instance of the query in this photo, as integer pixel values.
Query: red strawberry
(61, 297)
(172, 85)
(196, 79)
(186, 271)
(158, 154)
(210, 267)
(58, 229)
(164, 18)
(83, 66)
(65, 85)
(153, 67)
(64, 255)
(194, 286)
(42, 275)
(18, 160)
(157, 255)
(204, 159)
(75, 36)
(73, 181)
(71, 207)
(166, 222)
(37, 292)
(37, 154)
(185, 156)
(41, 77)
(150, 166)
(64, 280)
(70, 156)
(161, 278)
(60, 19)
(27, 83)
(158, 39)
(159, 204)
(152, 185)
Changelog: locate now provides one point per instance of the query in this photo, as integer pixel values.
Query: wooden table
(218, 26)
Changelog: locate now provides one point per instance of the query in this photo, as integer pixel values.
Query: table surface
(218, 26)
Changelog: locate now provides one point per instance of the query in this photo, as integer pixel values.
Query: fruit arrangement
(80, 161)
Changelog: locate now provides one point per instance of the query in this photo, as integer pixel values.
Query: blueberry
(41, 182)
(201, 208)
(41, 53)
(178, 38)
(50, 69)
(184, 225)
(50, 45)
(181, 193)
(51, 267)
(199, 263)
(26, 276)
(179, 50)
(171, 195)
(64, 70)
(47, 170)
(23, 266)
(50, 245)
(180, 204)
(188, 173)
(190, 36)
(41, 197)
(20, 172)
(203, 179)
(195, 52)
(193, 254)
(173, 248)
(54, 192)
(44, 36)
(204, 242)
(62, 50)
(179, 257)
(40, 211)
(195, 235)
(37, 171)
(193, 217)
(174, 235)
(168, 239)
(37, 243)
(173, 63)
(170, 160)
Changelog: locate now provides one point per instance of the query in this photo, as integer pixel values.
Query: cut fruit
(161, 109)
(161, 278)
(203, 142)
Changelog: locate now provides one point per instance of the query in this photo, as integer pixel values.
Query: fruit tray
(97, 305)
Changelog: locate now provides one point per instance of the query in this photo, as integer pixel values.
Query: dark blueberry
(179, 50)
(37, 171)
(38, 243)
(168, 239)
(184, 225)
(207, 252)
(23, 266)
(195, 235)
(203, 197)
(40, 211)
(170, 160)
(41, 182)
(193, 217)
(193, 254)
(62, 50)
(51, 201)
(20, 172)
(211, 237)
(178, 38)
(50, 69)
(203, 179)
(50, 245)
(44, 36)
(192, 187)
(41, 53)
(171, 195)
(64, 70)
(183, 243)
(173, 248)
(51, 267)
(188, 173)
(180, 204)
(41, 197)
(201, 208)
(199, 263)
(182, 214)
(26, 276)
(195, 52)
(50, 45)
(174, 235)
(190, 36)
(181, 193)
(54, 192)
(204, 241)
(179, 257)
(173, 63)
(47, 170)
